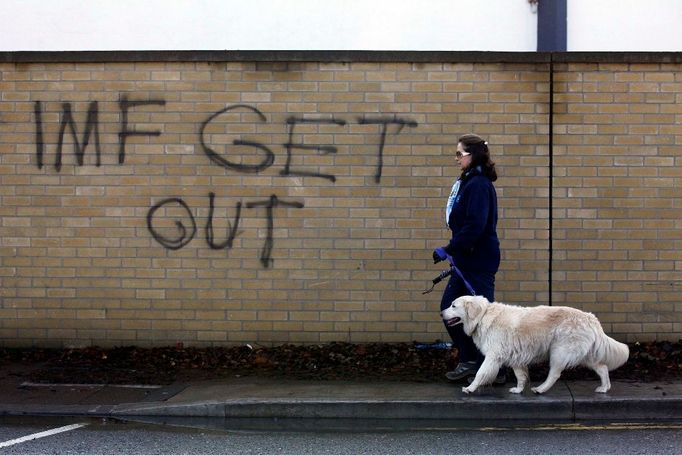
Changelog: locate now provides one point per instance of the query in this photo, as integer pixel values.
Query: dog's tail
(612, 353)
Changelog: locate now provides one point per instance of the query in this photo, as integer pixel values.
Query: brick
(76, 243)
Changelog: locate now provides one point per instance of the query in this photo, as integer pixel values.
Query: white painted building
(400, 25)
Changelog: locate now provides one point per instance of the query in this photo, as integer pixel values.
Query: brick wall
(318, 223)
(618, 195)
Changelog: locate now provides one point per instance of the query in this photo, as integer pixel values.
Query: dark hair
(480, 155)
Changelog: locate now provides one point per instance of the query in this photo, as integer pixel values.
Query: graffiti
(209, 225)
(385, 122)
(185, 224)
(40, 145)
(172, 243)
(125, 133)
(325, 149)
(270, 204)
(184, 237)
(91, 124)
(290, 146)
(125, 105)
(220, 161)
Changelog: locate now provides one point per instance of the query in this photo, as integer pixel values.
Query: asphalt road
(67, 436)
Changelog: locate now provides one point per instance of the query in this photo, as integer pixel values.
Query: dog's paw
(516, 389)
(601, 389)
(467, 390)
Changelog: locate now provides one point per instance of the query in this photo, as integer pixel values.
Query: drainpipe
(552, 32)
(552, 25)
(551, 177)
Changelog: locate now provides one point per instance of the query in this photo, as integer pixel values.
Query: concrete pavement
(261, 398)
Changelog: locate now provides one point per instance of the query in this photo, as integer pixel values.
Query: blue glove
(439, 254)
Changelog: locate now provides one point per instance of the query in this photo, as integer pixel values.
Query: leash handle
(438, 279)
(448, 272)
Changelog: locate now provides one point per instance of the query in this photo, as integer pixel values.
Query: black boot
(464, 370)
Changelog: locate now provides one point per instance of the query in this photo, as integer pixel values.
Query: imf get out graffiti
(263, 157)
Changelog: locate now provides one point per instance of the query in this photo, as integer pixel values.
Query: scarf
(453, 193)
(451, 199)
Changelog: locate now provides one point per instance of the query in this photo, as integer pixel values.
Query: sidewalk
(253, 398)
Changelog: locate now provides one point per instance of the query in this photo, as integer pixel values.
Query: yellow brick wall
(95, 255)
(618, 195)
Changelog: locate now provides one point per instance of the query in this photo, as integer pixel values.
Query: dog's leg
(552, 377)
(521, 374)
(555, 369)
(485, 374)
(603, 372)
(558, 360)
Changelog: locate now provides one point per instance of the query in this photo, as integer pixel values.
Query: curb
(574, 402)
(385, 410)
(57, 410)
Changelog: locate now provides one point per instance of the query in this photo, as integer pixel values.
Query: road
(92, 437)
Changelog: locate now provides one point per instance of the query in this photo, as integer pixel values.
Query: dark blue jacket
(473, 221)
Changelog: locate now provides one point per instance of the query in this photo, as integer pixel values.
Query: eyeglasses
(461, 154)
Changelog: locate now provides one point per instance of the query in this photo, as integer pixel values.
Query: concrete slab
(46, 395)
(259, 398)
(627, 401)
(116, 395)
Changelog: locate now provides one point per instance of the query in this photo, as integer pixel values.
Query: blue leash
(446, 273)
(468, 285)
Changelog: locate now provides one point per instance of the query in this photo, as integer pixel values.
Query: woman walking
(471, 215)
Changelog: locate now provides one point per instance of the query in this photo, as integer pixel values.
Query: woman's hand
(439, 254)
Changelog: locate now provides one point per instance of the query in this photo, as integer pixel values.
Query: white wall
(58, 25)
(624, 25)
(489, 25)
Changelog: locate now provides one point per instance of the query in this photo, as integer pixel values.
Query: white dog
(519, 336)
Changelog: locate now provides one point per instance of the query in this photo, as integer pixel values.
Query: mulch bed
(655, 361)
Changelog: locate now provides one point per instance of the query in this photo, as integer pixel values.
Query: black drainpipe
(552, 25)
(552, 37)
(551, 171)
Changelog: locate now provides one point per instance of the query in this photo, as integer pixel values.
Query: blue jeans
(484, 284)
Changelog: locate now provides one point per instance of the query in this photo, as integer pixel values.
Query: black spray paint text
(126, 130)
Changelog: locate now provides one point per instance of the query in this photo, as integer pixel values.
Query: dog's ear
(472, 308)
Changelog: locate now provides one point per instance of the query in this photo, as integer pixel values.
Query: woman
(471, 215)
